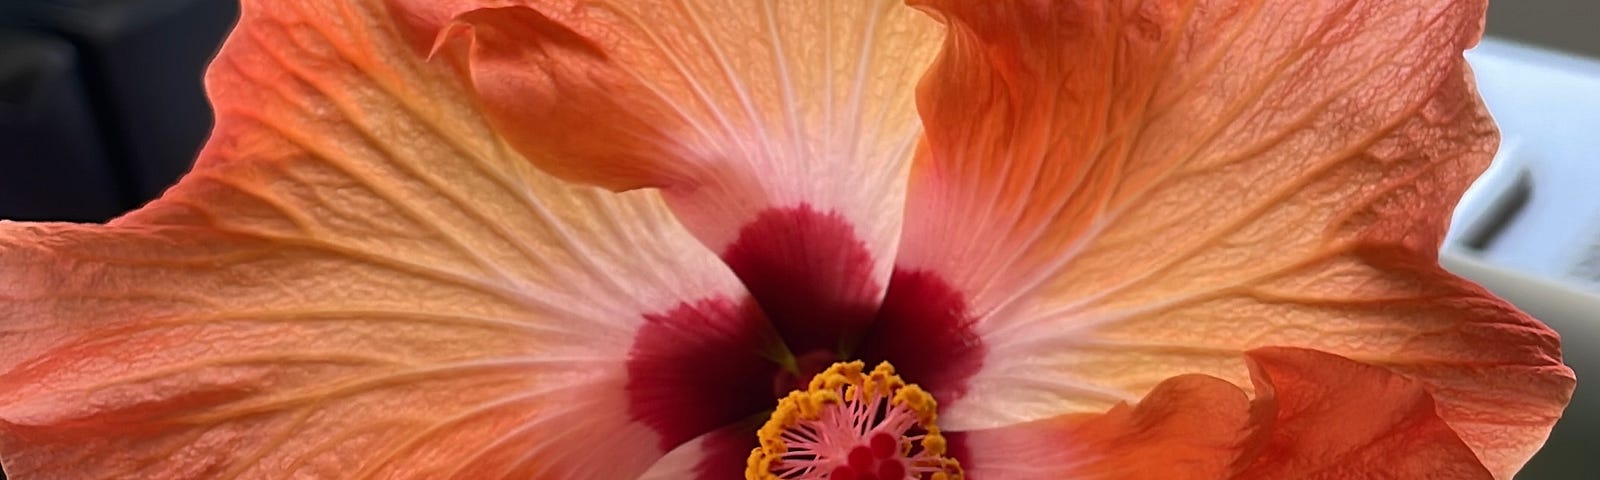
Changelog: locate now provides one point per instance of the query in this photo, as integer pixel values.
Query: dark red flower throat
(720, 361)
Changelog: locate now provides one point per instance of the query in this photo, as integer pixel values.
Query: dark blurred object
(133, 69)
(54, 167)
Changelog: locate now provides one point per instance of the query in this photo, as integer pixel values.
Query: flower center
(853, 425)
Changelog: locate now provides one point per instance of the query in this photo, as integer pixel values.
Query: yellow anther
(851, 424)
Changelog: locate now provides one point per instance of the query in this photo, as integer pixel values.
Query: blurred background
(101, 108)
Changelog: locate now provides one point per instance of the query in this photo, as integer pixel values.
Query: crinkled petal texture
(1316, 416)
(766, 122)
(358, 280)
(1129, 190)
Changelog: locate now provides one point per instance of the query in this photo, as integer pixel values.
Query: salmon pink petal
(1125, 191)
(1316, 416)
(359, 280)
(780, 132)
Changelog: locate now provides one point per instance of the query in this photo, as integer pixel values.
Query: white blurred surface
(1548, 108)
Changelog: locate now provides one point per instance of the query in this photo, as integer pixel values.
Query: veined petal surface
(358, 280)
(788, 125)
(1129, 190)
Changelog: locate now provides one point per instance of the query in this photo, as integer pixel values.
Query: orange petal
(739, 111)
(1338, 419)
(1126, 191)
(358, 280)
(1317, 416)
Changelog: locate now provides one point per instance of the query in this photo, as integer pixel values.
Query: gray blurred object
(1570, 25)
(1567, 304)
(140, 64)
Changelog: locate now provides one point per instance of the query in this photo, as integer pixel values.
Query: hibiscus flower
(602, 239)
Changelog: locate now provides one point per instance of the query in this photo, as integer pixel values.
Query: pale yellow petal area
(732, 107)
(358, 280)
(1125, 191)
